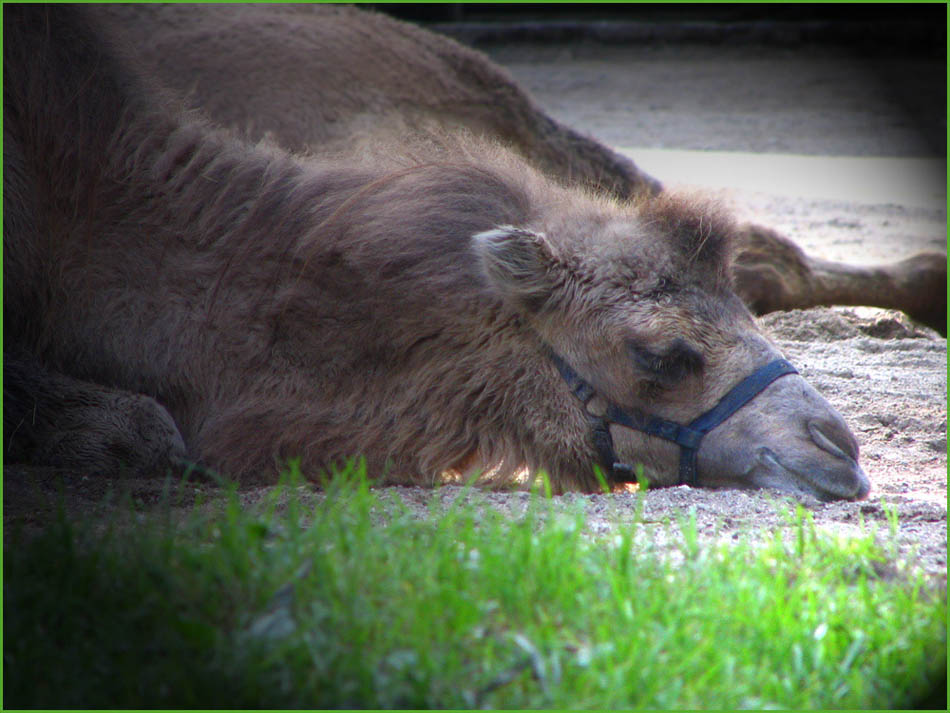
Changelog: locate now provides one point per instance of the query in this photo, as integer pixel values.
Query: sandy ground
(767, 110)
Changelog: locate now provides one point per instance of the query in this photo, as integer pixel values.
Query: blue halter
(688, 437)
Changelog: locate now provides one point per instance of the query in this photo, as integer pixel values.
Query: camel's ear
(518, 264)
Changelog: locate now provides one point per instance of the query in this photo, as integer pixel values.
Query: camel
(314, 76)
(445, 310)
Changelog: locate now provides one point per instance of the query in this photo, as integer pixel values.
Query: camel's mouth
(842, 479)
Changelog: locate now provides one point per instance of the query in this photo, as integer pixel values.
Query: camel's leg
(55, 420)
(772, 273)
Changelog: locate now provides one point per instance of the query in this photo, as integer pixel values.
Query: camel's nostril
(825, 438)
(839, 442)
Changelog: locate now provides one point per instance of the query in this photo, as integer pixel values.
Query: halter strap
(688, 437)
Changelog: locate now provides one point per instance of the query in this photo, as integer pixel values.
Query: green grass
(356, 603)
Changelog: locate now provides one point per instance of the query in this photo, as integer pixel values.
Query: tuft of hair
(700, 230)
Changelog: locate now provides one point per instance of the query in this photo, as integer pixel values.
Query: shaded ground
(886, 376)
(809, 100)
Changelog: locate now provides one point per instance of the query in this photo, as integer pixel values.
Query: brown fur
(341, 71)
(313, 76)
(396, 307)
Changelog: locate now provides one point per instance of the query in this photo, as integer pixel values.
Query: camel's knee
(54, 420)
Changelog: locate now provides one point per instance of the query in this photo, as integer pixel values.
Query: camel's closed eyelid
(673, 364)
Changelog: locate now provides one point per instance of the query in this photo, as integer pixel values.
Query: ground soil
(886, 375)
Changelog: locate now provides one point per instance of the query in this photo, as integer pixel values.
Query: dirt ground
(884, 374)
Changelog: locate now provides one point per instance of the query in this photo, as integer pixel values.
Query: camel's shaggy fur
(398, 307)
(312, 77)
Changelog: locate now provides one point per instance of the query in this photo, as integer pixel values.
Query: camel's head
(633, 308)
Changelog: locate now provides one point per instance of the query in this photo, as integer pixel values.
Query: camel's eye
(660, 291)
(670, 366)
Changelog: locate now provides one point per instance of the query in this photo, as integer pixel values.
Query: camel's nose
(834, 437)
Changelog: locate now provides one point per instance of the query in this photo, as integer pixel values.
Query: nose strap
(742, 393)
(737, 397)
(688, 437)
